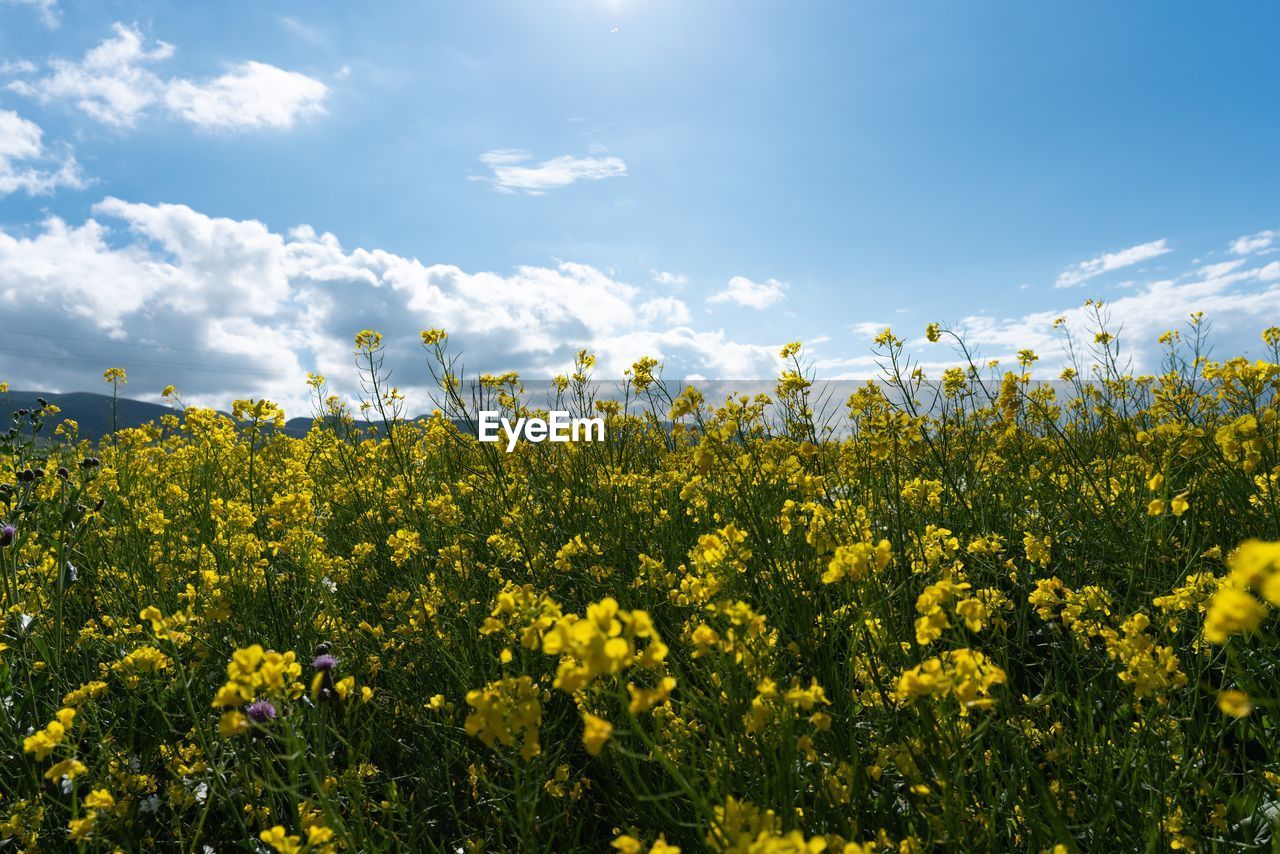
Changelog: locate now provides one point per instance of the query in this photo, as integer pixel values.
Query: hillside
(93, 412)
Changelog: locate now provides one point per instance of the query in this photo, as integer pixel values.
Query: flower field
(970, 611)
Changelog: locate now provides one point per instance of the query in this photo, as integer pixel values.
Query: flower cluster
(254, 677)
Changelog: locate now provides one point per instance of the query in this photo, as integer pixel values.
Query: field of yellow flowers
(985, 613)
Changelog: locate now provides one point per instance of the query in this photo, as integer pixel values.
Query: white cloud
(1109, 261)
(666, 309)
(513, 172)
(114, 85)
(303, 30)
(745, 292)
(1252, 243)
(27, 164)
(254, 310)
(110, 83)
(47, 9)
(1213, 271)
(252, 95)
(669, 280)
(869, 329)
(1237, 303)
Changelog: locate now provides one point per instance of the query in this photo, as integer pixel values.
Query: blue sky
(703, 181)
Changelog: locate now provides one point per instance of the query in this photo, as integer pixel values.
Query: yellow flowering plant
(981, 612)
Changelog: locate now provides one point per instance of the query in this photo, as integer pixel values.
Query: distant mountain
(93, 412)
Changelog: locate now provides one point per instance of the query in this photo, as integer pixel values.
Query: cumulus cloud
(514, 173)
(228, 308)
(745, 292)
(115, 84)
(1109, 261)
(665, 309)
(111, 82)
(27, 164)
(252, 95)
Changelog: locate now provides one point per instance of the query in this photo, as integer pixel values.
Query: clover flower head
(260, 711)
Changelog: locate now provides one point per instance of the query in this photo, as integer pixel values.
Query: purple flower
(7, 533)
(324, 662)
(260, 711)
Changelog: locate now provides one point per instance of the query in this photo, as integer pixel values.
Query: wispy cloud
(1252, 243)
(514, 173)
(742, 291)
(869, 328)
(114, 84)
(669, 280)
(47, 9)
(303, 30)
(1109, 261)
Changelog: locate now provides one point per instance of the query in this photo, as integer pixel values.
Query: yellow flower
(602, 643)
(1257, 564)
(43, 742)
(1231, 612)
(69, 768)
(405, 545)
(644, 699)
(254, 671)
(81, 829)
(965, 674)
(596, 731)
(1037, 548)
(99, 799)
(431, 337)
(661, 846)
(232, 723)
(1235, 703)
(281, 840)
(318, 836)
(505, 710)
(857, 561)
(368, 341)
